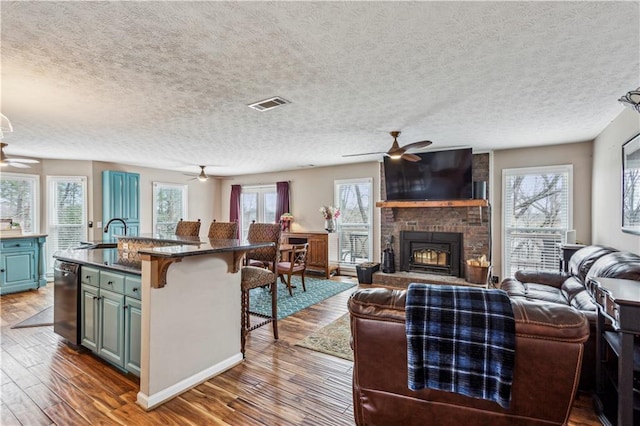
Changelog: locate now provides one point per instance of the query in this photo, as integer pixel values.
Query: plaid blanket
(460, 339)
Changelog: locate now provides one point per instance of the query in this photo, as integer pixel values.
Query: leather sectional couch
(541, 394)
(568, 288)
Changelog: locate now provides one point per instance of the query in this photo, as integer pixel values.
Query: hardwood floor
(45, 382)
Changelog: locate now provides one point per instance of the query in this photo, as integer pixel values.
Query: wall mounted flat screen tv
(439, 175)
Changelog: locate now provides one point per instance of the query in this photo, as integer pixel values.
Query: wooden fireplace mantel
(433, 203)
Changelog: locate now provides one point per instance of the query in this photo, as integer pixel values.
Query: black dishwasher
(66, 300)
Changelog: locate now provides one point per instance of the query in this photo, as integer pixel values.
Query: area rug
(42, 318)
(332, 339)
(318, 289)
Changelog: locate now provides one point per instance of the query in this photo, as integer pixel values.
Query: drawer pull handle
(1, 270)
(125, 306)
(95, 297)
(135, 289)
(110, 283)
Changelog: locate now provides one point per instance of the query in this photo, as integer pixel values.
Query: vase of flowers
(330, 215)
(285, 221)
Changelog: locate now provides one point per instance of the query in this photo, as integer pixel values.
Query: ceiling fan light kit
(631, 100)
(5, 125)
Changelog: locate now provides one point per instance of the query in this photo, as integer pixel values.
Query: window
(257, 203)
(19, 200)
(67, 213)
(169, 206)
(354, 198)
(536, 215)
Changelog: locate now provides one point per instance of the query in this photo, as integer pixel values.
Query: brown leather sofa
(549, 348)
(569, 289)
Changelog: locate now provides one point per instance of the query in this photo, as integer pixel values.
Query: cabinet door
(317, 256)
(89, 317)
(18, 268)
(132, 198)
(115, 193)
(111, 337)
(132, 335)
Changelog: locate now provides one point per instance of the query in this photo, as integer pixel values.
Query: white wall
(310, 189)
(607, 183)
(578, 154)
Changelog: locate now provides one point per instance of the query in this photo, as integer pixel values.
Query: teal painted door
(111, 337)
(89, 317)
(116, 194)
(132, 195)
(121, 199)
(132, 335)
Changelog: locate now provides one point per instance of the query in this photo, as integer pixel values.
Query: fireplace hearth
(431, 252)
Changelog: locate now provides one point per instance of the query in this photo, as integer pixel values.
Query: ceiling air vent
(268, 104)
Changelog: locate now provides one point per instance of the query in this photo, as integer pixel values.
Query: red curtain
(234, 206)
(282, 199)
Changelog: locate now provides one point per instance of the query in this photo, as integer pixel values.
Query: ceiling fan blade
(22, 160)
(364, 153)
(18, 165)
(410, 157)
(416, 145)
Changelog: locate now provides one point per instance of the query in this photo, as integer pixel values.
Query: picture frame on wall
(631, 185)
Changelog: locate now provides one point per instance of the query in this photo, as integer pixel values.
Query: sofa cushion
(622, 264)
(582, 260)
(533, 291)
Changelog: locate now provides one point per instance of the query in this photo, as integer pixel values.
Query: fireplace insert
(431, 252)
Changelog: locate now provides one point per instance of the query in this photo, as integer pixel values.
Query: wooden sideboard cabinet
(323, 250)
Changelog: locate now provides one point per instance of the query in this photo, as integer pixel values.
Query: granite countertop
(211, 246)
(162, 238)
(124, 261)
(108, 258)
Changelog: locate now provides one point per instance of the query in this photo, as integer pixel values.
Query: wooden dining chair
(188, 228)
(223, 230)
(261, 276)
(296, 265)
(263, 257)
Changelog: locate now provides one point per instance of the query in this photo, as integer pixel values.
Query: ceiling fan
(20, 163)
(396, 151)
(202, 176)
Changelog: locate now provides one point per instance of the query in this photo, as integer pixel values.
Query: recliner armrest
(554, 279)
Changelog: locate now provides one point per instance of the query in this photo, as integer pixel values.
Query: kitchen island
(190, 309)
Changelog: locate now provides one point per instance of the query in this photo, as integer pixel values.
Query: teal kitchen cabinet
(89, 319)
(121, 199)
(111, 316)
(132, 335)
(22, 263)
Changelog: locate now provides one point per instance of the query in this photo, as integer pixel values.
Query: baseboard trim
(149, 402)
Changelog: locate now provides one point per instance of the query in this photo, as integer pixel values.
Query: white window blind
(19, 200)
(169, 206)
(354, 198)
(257, 203)
(537, 213)
(67, 213)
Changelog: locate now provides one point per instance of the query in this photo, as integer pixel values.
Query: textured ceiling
(167, 84)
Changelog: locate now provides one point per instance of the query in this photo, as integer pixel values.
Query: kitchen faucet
(106, 228)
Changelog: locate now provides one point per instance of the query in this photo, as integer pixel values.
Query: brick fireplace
(471, 222)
